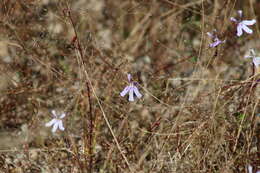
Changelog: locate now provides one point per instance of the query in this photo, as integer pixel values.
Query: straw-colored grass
(199, 107)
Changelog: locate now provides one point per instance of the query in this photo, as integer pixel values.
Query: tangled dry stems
(199, 105)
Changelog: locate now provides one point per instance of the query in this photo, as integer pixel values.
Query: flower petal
(137, 93)
(54, 113)
(214, 44)
(250, 169)
(252, 51)
(55, 126)
(50, 123)
(62, 115)
(125, 91)
(129, 77)
(239, 30)
(247, 30)
(256, 61)
(233, 19)
(249, 22)
(240, 13)
(210, 35)
(61, 125)
(248, 56)
(131, 94)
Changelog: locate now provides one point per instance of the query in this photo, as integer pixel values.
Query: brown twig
(89, 118)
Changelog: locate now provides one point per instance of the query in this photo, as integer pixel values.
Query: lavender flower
(242, 24)
(256, 60)
(216, 40)
(131, 89)
(56, 122)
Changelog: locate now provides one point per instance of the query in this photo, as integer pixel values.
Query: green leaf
(241, 116)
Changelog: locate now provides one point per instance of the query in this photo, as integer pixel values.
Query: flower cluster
(242, 25)
(132, 87)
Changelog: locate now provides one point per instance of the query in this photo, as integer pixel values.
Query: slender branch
(89, 84)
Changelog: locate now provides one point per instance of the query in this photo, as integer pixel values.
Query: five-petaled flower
(216, 40)
(256, 60)
(56, 121)
(242, 24)
(131, 89)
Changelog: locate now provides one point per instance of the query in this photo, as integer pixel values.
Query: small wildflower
(242, 24)
(256, 60)
(216, 40)
(56, 122)
(131, 89)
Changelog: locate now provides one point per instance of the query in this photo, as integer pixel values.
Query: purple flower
(56, 122)
(131, 89)
(256, 60)
(242, 24)
(216, 40)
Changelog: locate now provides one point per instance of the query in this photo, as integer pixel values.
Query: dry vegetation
(200, 104)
